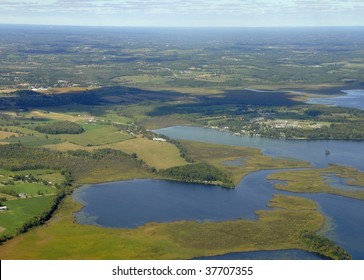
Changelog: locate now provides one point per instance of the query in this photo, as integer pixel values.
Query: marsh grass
(313, 181)
(61, 238)
(254, 160)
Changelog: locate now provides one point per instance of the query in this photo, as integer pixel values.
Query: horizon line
(177, 27)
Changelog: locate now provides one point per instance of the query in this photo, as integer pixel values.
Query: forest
(64, 127)
(324, 246)
(200, 173)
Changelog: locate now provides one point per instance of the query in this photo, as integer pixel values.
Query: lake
(134, 203)
(138, 202)
(349, 153)
(352, 99)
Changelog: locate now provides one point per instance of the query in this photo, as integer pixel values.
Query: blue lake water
(137, 202)
(341, 183)
(349, 153)
(353, 99)
(134, 203)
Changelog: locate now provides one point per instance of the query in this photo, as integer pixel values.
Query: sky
(185, 13)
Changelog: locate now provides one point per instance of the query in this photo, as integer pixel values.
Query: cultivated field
(160, 155)
(21, 211)
(95, 135)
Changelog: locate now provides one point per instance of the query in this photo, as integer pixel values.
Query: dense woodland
(64, 127)
(324, 246)
(199, 172)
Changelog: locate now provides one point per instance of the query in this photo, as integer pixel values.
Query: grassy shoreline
(313, 181)
(277, 228)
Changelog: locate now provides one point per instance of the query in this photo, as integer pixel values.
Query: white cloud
(187, 12)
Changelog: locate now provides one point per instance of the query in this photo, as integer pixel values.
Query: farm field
(95, 135)
(5, 135)
(160, 155)
(21, 211)
(26, 194)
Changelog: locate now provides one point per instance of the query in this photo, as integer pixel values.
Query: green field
(23, 130)
(22, 210)
(34, 172)
(57, 116)
(54, 178)
(96, 122)
(33, 140)
(51, 176)
(36, 200)
(95, 135)
(67, 146)
(160, 155)
(155, 154)
(31, 189)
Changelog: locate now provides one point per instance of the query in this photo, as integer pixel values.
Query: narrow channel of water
(348, 153)
(339, 183)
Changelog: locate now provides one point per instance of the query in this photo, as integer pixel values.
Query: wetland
(135, 203)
